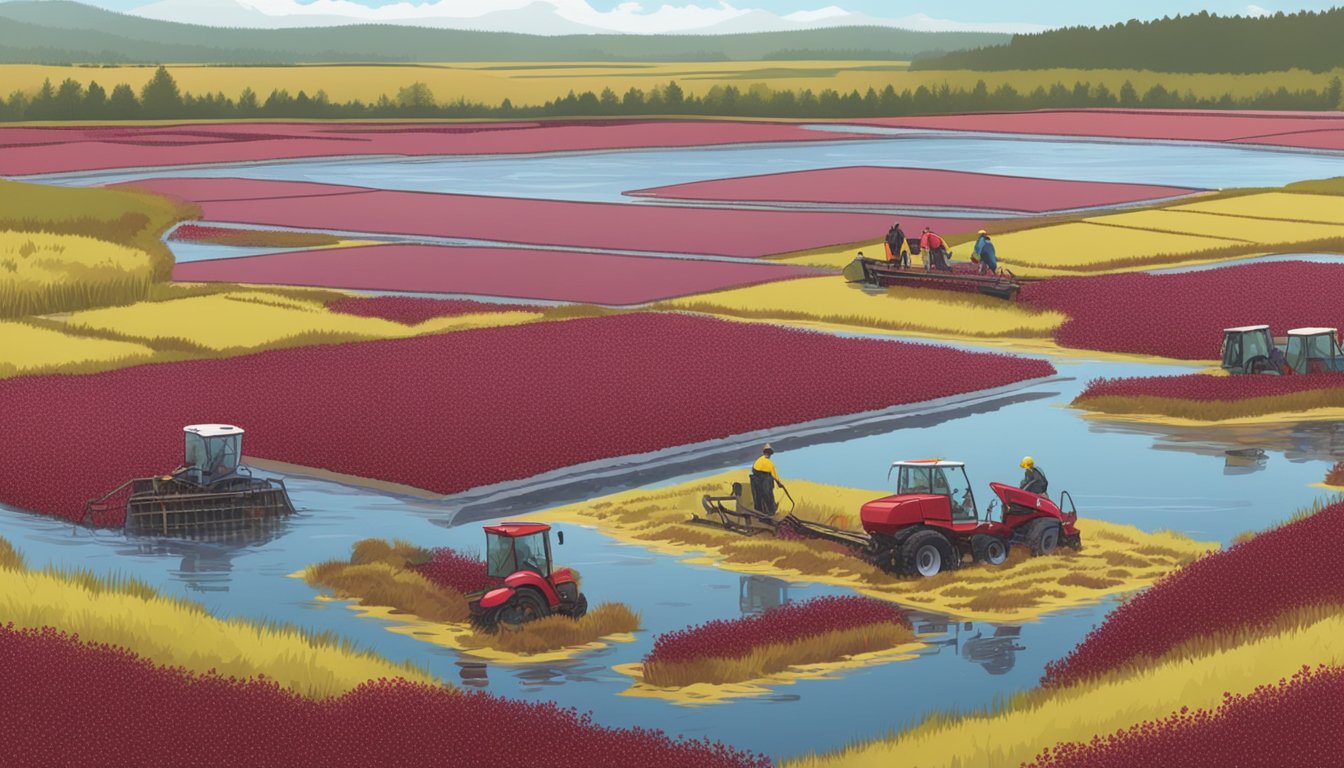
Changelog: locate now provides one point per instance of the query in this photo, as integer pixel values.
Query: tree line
(161, 98)
(1203, 42)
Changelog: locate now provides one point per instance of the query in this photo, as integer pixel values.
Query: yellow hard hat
(981, 232)
(1027, 462)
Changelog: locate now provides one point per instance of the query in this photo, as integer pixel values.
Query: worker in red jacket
(936, 248)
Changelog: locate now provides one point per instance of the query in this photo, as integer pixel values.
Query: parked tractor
(1249, 349)
(1314, 350)
(520, 555)
(210, 494)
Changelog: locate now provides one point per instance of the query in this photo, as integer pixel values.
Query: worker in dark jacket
(896, 246)
(1034, 480)
(763, 481)
(984, 253)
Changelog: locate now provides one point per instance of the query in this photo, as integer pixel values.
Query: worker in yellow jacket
(764, 477)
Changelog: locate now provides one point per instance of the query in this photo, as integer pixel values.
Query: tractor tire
(927, 553)
(579, 608)
(990, 550)
(1042, 537)
(525, 605)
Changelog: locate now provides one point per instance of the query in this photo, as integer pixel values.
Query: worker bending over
(763, 481)
(1034, 480)
(984, 253)
(936, 248)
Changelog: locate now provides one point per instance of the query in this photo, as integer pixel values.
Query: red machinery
(520, 554)
(931, 524)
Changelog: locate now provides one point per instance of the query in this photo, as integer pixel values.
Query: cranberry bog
(1202, 397)
(918, 187)
(582, 390)
(256, 722)
(55, 150)
(1182, 315)
(576, 276)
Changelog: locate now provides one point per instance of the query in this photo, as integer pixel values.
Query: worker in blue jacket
(984, 253)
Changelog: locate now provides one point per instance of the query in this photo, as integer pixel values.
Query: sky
(652, 15)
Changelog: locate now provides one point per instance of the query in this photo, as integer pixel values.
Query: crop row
(412, 310)
(1290, 723)
(1243, 588)
(736, 638)
(165, 716)
(1182, 315)
(461, 410)
(1205, 388)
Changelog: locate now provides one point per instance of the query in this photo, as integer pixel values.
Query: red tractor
(520, 554)
(932, 522)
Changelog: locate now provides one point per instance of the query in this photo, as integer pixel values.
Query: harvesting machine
(931, 524)
(210, 494)
(519, 554)
(1251, 349)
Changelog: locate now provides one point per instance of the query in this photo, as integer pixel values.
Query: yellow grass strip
(265, 238)
(1021, 590)
(1177, 410)
(1195, 676)
(555, 632)
(533, 83)
(42, 272)
(1261, 231)
(1082, 246)
(178, 632)
(385, 585)
(833, 301)
(30, 350)
(775, 657)
(1278, 205)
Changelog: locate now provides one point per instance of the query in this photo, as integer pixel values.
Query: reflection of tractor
(758, 594)
(930, 525)
(211, 493)
(996, 654)
(520, 554)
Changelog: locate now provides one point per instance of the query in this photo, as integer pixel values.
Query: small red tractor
(932, 522)
(520, 555)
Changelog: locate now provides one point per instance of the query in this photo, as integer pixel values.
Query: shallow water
(605, 177)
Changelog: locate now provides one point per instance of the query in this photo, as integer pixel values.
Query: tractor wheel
(525, 605)
(1043, 537)
(990, 550)
(926, 553)
(579, 608)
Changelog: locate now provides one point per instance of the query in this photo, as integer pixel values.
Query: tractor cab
(940, 489)
(514, 547)
(1314, 350)
(213, 452)
(1248, 349)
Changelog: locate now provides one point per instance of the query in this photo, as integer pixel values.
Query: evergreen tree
(160, 98)
(95, 101)
(121, 105)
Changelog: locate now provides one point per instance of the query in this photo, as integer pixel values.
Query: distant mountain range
(60, 31)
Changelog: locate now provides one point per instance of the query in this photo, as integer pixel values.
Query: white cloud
(1255, 10)
(535, 16)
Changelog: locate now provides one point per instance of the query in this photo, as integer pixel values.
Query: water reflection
(206, 563)
(992, 647)
(1243, 444)
(757, 594)
(1244, 461)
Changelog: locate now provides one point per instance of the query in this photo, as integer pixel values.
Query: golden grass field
(1114, 559)
(1260, 231)
(1289, 206)
(378, 578)
(183, 322)
(832, 301)
(178, 632)
(535, 83)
